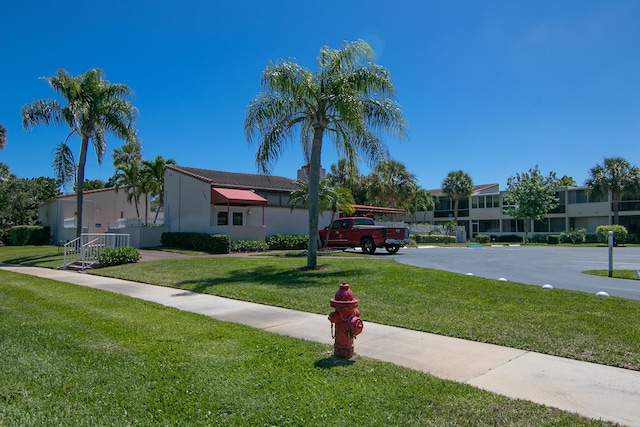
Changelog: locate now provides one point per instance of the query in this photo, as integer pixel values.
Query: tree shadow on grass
(266, 275)
(36, 260)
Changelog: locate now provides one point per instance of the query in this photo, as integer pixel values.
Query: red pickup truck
(363, 232)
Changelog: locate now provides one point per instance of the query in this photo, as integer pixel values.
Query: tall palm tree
(616, 176)
(392, 184)
(423, 201)
(153, 170)
(128, 176)
(457, 185)
(93, 108)
(350, 97)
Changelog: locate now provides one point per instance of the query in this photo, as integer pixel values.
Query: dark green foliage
(632, 239)
(619, 234)
(573, 236)
(29, 235)
(248, 246)
(508, 238)
(483, 238)
(433, 238)
(211, 243)
(591, 238)
(287, 242)
(553, 239)
(118, 256)
(539, 238)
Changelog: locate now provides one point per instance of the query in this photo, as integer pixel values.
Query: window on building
(512, 226)
(237, 218)
(223, 218)
(556, 225)
(541, 226)
(489, 226)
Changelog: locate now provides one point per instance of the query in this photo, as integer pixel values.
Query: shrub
(433, 238)
(539, 238)
(248, 246)
(509, 238)
(591, 238)
(287, 242)
(118, 256)
(483, 238)
(619, 234)
(21, 235)
(573, 236)
(553, 239)
(631, 239)
(211, 243)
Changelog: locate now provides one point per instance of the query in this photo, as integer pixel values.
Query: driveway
(559, 266)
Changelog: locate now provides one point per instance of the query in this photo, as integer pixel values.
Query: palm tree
(349, 97)
(128, 176)
(153, 170)
(331, 197)
(616, 176)
(3, 137)
(94, 108)
(423, 201)
(457, 185)
(392, 185)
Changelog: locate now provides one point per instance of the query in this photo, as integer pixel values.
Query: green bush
(433, 238)
(483, 238)
(287, 242)
(573, 236)
(631, 239)
(21, 235)
(211, 243)
(248, 246)
(591, 238)
(619, 234)
(539, 238)
(118, 256)
(509, 238)
(553, 239)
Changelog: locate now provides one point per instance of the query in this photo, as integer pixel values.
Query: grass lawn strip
(82, 357)
(559, 322)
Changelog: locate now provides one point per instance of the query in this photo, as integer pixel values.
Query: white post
(610, 253)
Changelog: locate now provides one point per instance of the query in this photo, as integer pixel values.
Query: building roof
(238, 180)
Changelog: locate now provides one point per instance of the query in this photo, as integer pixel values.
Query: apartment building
(483, 213)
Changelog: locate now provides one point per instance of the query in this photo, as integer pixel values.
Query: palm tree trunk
(314, 193)
(615, 201)
(80, 183)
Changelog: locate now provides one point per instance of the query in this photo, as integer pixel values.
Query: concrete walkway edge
(595, 391)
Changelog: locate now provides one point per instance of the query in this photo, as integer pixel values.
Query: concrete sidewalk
(595, 391)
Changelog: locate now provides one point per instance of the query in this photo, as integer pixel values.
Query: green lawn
(558, 322)
(74, 356)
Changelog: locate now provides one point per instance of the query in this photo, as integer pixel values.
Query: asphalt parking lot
(559, 266)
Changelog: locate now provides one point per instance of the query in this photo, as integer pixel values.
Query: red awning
(231, 196)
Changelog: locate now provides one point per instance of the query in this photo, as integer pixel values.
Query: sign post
(610, 253)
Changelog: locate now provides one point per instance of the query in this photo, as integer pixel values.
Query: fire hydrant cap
(344, 293)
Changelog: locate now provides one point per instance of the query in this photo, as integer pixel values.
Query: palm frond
(63, 164)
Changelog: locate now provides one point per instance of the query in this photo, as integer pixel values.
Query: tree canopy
(94, 107)
(530, 196)
(456, 185)
(616, 176)
(350, 98)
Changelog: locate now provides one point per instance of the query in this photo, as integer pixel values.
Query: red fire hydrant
(347, 321)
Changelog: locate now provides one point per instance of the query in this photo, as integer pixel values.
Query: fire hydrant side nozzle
(346, 319)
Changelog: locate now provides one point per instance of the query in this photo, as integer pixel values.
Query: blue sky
(489, 87)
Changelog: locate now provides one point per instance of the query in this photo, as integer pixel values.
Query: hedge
(210, 243)
(21, 235)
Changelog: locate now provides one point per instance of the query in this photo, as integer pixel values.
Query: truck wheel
(392, 249)
(368, 247)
